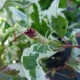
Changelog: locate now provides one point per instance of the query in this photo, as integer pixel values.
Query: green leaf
(5, 37)
(35, 17)
(45, 28)
(59, 25)
(63, 3)
(38, 24)
(47, 4)
(2, 47)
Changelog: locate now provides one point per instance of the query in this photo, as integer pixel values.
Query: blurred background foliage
(14, 20)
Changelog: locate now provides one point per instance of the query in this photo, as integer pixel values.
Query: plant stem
(16, 37)
(78, 35)
(69, 45)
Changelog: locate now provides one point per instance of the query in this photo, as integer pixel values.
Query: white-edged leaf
(2, 2)
(30, 60)
(13, 15)
(33, 1)
(18, 66)
(75, 55)
(17, 15)
(53, 10)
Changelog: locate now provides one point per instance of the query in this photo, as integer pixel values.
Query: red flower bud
(30, 33)
(34, 34)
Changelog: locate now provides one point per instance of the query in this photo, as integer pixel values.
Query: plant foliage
(30, 33)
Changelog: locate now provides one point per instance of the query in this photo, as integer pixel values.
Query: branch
(16, 37)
